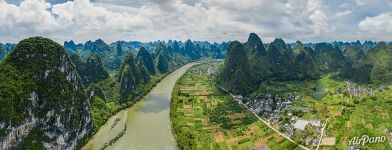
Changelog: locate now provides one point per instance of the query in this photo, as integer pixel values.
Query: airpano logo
(365, 139)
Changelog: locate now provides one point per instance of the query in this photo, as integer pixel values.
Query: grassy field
(349, 116)
(205, 118)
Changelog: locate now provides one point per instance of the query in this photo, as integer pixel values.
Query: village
(285, 115)
(303, 131)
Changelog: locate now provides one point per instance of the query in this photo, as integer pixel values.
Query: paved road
(265, 122)
(322, 134)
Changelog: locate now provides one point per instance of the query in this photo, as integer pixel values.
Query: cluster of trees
(220, 115)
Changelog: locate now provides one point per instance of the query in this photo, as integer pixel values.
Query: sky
(211, 20)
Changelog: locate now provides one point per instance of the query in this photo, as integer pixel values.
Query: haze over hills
(113, 53)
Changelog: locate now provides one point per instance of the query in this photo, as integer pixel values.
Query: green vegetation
(37, 79)
(329, 57)
(328, 98)
(360, 115)
(38, 73)
(374, 67)
(125, 88)
(162, 62)
(143, 71)
(13, 94)
(103, 108)
(3, 51)
(204, 117)
(236, 75)
(129, 76)
(249, 64)
(34, 140)
(350, 87)
(147, 59)
(91, 71)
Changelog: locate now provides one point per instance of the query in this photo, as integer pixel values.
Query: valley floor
(347, 110)
(319, 114)
(204, 117)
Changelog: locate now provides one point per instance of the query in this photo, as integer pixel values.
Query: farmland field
(205, 118)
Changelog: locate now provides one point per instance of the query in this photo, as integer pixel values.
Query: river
(147, 122)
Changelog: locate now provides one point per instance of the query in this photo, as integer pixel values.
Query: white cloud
(85, 14)
(318, 17)
(215, 20)
(360, 2)
(31, 14)
(381, 24)
(343, 13)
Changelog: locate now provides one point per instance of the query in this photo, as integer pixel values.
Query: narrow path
(322, 133)
(265, 122)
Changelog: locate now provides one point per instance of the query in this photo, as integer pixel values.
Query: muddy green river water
(147, 122)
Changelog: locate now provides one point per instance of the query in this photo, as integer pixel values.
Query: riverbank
(136, 106)
(119, 107)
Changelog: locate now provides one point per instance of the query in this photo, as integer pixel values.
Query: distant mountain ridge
(113, 53)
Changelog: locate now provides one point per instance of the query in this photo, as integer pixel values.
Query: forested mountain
(42, 98)
(59, 100)
(113, 53)
(162, 62)
(52, 97)
(129, 76)
(328, 57)
(276, 62)
(146, 58)
(236, 75)
(374, 67)
(92, 70)
(96, 46)
(5, 49)
(279, 61)
(354, 53)
(364, 63)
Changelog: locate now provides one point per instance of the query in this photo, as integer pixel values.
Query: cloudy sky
(212, 20)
